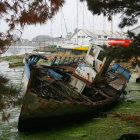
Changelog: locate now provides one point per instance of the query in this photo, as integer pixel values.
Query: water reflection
(17, 50)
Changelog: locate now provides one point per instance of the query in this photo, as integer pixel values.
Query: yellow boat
(76, 47)
(82, 48)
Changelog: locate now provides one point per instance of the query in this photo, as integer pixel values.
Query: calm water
(16, 50)
(9, 131)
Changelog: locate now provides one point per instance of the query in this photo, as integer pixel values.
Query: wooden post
(103, 71)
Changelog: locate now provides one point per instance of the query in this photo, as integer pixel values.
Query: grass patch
(95, 129)
(127, 107)
(13, 58)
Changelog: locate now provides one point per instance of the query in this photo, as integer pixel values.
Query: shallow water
(8, 130)
(14, 74)
(93, 129)
(17, 50)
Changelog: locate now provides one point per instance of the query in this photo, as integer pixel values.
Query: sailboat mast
(112, 26)
(83, 17)
(93, 22)
(65, 23)
(103, 23)
(61, 22)
(83, 23)
(51, 28)
(51, 33)
(77, 19)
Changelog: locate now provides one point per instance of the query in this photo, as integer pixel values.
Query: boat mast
(77, 20)
(51, 29)
(103, 23)
(111, 26)
(61, 22)
(93, 22)
(51, 33)
(93, 27)
(83, 17)
(65, 23)
(122, 28)
(83, 23)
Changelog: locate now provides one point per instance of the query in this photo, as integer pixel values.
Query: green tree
(130, 10)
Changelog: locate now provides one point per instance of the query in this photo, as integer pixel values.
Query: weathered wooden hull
(52, 98)
(39, 113)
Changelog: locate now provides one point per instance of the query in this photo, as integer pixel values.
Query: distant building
(43, 40)
(86, 36)
(80, 37)
(69, 35)
(136, 30)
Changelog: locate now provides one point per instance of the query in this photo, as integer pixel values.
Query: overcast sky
(57, 26)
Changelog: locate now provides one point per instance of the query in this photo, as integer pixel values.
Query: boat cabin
(94, 62)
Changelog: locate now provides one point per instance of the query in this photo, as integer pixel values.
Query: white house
(84, 36)
(136, 30)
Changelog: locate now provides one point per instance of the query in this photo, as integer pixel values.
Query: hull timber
(37, 113)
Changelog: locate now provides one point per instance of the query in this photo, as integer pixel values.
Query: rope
(65, 22)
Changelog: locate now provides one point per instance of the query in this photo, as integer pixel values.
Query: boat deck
(59, 89)
(117, 81)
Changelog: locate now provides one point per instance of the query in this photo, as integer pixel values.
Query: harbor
(69, 70)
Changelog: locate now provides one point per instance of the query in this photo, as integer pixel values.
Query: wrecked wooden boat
(69, 89)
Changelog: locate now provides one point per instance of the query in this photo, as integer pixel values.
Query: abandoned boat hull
(37, 113)
(67, 92)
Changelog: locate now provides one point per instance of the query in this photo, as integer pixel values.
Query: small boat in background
(15, 64)
(73, 48)
(119, 41)
(69, 89)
